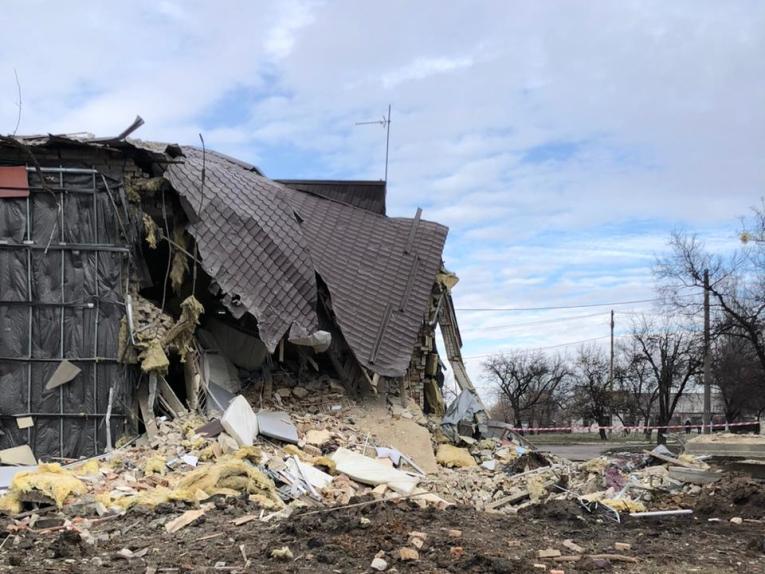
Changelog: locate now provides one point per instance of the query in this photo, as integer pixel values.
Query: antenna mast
(384, 122)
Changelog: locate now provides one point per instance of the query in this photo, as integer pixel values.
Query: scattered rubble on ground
(195, 467)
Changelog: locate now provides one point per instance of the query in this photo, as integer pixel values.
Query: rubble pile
(312, 395)
(506, 477)
(306, 456)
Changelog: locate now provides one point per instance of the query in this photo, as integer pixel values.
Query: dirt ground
(342, 541)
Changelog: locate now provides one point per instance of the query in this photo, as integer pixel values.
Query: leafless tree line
(662, 357)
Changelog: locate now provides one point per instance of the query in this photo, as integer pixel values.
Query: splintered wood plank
(146, 413)
(167, 393)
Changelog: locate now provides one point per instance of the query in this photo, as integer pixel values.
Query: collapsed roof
(263, 242)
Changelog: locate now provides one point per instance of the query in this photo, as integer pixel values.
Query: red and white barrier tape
(631, 428)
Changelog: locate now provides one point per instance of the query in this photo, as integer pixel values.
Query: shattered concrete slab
(369, 471)
(240, 421)
(727, 445)
(278, 425)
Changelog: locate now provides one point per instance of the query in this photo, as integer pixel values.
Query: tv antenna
(384, 122)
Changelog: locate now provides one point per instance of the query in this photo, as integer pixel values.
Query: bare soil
(339, 541)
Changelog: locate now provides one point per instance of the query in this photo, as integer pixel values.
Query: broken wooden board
(184, 520)
(147, 414)
(509, 499)
(671, 460)
(244, 519)
(613, 558)
(210, 429)
(573, 546)
(694, 475)
(169, 396)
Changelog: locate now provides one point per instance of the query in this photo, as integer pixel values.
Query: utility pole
(611, 366)
(707, 360)
(611, 372)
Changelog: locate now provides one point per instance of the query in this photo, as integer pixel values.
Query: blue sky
(560, 141)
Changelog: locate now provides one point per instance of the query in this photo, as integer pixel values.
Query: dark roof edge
(335, 181)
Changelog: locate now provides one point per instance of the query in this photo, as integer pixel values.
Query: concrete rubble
(193, 467)
(192, 461)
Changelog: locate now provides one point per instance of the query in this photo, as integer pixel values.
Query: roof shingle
(379, 270)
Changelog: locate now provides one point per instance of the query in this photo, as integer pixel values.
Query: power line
(560, 307)
(544, 348)
(623, 335)
(542, 321)
(560, 319)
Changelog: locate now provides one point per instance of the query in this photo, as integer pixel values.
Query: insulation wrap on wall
(62, 273)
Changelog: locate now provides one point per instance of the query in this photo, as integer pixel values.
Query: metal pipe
(66, 247)
(114, 206)
(29, 330)
(108, 419)
(39, 189)
(66, 415)
(69, 304)
(661, 513)
(62, 206)
(59, 359)
(95, 321)
(62, 170)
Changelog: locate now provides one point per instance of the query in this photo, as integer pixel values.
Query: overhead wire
(545, 321)
(560, 345)
(562, 307)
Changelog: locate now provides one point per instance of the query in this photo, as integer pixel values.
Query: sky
(561, 142)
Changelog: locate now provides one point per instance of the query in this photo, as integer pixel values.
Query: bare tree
(674, 356)
(592, 389)
(501, 409)
(736, 282)
(525, 381)
(637, 387)
(738, 375)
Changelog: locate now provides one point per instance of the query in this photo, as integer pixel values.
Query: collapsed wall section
(63, 267)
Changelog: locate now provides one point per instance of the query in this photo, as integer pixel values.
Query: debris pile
(268, 465)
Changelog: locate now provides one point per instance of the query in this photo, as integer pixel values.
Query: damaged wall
(63, 267)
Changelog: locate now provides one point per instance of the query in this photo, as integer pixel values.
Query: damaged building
(139, 278)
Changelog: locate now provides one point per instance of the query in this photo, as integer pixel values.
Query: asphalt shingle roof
(379, 270)
(379, 281)
(369, 195)
(250, 242)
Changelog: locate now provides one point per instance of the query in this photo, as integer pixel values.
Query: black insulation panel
(59, 302)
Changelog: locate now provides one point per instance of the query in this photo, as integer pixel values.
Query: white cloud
(281, 38)
(423, 68)
(656, 106)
